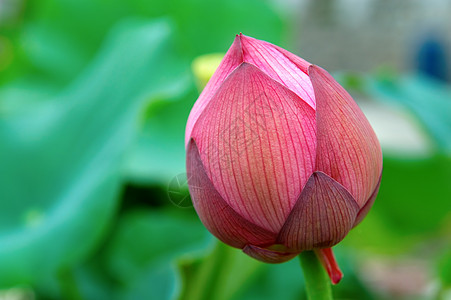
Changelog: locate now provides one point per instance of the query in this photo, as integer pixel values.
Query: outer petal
(323, 215)
(257, 141)
(231, 60)
(348, 149)
(268, 255)
(217, 216)
(369, 203)
(280, 66)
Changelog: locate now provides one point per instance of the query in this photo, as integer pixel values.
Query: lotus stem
(317, 282)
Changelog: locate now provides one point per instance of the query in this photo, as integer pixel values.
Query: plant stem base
(316, 280)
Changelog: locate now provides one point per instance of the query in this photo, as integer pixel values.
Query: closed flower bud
(279, 156)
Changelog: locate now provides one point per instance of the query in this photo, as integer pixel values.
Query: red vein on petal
(289, 153)
(248, 163)
(282, 199)
(289, 106)
(269, 207)
(270, 160)
(323, 202)
(286, 71)
(348, 149)
(271, 163)
(231, 60)
(234, 168)
(229, 193)
(263, 50)
(261, 186)
(301, 63)
(219, 218)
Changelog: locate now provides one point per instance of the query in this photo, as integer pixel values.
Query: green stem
(221, 275)
(204, 277)
(316, 280)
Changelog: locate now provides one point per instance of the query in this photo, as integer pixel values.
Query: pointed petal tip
(322, 76)
(322, 216)
(281, 65)
(242, 37)
(237, 45)
(247, 39)
(315, 70)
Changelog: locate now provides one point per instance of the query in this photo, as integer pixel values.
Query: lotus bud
(280, 158)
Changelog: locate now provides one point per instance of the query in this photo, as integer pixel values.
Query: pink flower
(279, 156)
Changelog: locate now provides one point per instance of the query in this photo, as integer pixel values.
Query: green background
(94, 98)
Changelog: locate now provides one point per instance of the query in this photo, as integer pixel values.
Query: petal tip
(322, 216)
(336, 277)
(313, 70)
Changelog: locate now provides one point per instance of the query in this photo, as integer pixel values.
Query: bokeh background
(94, 97)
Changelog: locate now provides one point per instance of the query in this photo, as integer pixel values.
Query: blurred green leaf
(413, 192)
(61, 161)
(25, 94)
(141, 255)
(138, 261)
(59, 37)
(206, 27)
(159, 152)
(221, 21)
(146, 237)
(52, 51)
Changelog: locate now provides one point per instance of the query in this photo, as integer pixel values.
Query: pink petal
(301, 63)
(323, 215)
(267, 255)
(231, 60)
(369, 203)
(257, 142)
(217, 216)
(348, 149)
(279, 66)
(327, 258)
